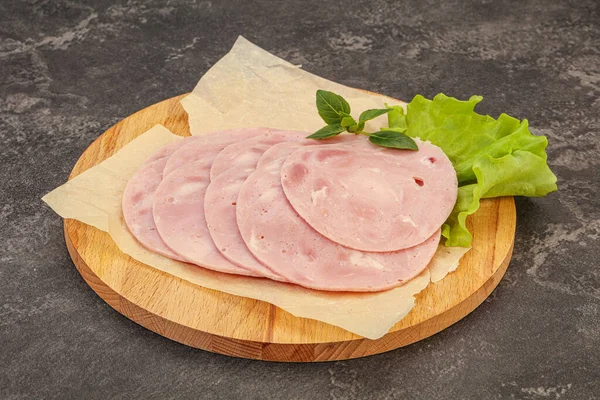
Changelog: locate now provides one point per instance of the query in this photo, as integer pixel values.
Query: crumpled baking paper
(251, 87)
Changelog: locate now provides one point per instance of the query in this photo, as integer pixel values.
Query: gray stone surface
(69, 70)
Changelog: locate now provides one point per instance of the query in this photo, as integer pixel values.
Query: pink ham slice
(229, 171)
(282, 240)
(179, 216)
(139, 196)
(178, 206)
(246, 153)
(140, 192)
(377, 200)
(219, 206)
(207, 147)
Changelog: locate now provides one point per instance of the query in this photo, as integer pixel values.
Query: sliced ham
(219, 206)
(344, 139)
(279, 238)
(139, 194)
(246, 153)
(375, 200)
(228, 172)
(137, 207)
(207, 147)
(179, 216)
(140, 190)
(178, 206)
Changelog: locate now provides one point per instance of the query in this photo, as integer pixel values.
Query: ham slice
(246, 153)
(279, 238)
(178, 206)
(207, 147)
(376, 199)
(179, 216)
(219, 206)
(139, 196)
(228, 172)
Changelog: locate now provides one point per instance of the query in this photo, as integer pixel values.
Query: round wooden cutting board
(236, 326)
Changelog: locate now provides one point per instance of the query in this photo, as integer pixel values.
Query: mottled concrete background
(69, 70)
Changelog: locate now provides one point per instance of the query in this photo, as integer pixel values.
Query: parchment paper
(230, 95)
(252, 87)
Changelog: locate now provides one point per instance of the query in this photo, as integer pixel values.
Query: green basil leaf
(347, 121)
(393, 139)
(372, 113)
(327, 131)
(332, 107)
(356, 128)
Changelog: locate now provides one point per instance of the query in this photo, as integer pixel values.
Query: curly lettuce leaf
(492, 157)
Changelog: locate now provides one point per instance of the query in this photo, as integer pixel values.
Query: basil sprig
(335, 111)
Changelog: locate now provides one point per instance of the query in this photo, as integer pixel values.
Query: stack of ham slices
(337, 215)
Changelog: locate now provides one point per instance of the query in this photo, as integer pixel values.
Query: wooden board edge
(283, 352)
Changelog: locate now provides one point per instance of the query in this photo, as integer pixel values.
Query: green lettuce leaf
(492, 157)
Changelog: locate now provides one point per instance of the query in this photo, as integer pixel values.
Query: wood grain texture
(242, 327)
